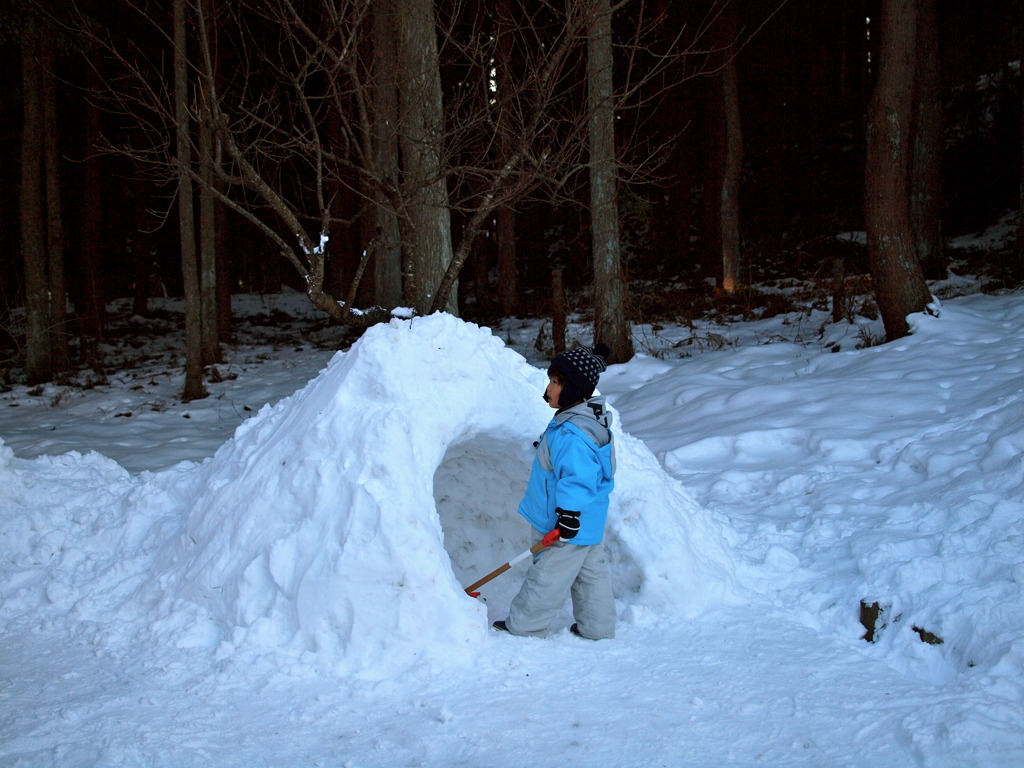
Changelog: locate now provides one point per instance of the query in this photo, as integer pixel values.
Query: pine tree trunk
(1019, 270)
(899, 284)
(225, 326)
(558, 313)
(60, 359)
(209, 324)
(610, 326)
(508, 261)
(428, 240)
(508, 267)
(90, 304)
(194, 388)
(712, 176)
(138, 250)
(729, 198)
(926, 185)
(380, 233)
(33, 226)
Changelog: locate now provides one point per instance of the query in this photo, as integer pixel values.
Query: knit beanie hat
(581, 367)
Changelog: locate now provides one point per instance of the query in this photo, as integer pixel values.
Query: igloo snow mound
(339, 526)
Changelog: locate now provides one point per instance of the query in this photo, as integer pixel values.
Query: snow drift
(337, 527)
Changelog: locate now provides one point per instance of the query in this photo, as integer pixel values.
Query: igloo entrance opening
(477, 488)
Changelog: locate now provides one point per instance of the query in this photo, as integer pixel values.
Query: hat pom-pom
(602, 350)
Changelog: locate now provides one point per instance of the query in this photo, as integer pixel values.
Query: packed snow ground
(272, 576)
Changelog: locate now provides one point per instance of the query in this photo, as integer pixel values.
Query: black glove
(568, 522)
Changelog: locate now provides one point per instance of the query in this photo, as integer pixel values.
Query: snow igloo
(340, 525)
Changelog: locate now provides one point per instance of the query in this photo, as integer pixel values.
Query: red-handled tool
(549, 538)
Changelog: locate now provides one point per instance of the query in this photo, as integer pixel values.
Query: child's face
(553, 392)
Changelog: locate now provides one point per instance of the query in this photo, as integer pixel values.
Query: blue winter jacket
(573, 469)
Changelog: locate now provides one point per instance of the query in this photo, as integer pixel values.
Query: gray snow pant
(558, 570)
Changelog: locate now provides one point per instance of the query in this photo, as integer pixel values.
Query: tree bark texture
(713, 121)
(138, 250)
(33, 222)
(899, 284)
(558, 313)
(839, 312)
(381, 235)
(208, 305)
(508, 263)
(427, 237)
(610, 324)
(1019, 267)
(926, 183)
(194, 388)
(729, 197)
(90, 304)
(508, 267)
(224, 272)
(60, 359)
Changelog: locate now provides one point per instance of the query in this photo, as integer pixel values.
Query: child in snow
(569, 486)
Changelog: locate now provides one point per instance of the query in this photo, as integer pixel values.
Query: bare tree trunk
(713, 174)
(839, 312)
(508, 267)
(209, 272)
(38, 365)
(381, 233)
(480, 261)
(898, 281)
(610, 324)
(60, 359)
(926, 184)
(428, 238)
(1019, 270)
(209, 324)
(90, 304)
(729, 197)
(558, 314)
(224, 284)
(194, 388)
(139, 251)
(508, 261)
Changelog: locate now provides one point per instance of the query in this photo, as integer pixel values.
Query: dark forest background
(805, 73)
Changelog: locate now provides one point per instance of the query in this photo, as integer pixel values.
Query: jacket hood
(591, 417)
